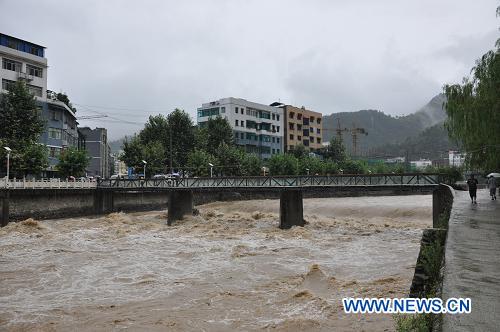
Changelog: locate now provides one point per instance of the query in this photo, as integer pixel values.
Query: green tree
(299, 151)
(330, 167)
(283, 164)
(218, 132)
(473, 109)
(313, 164)
(133, 153)
(230, 160)
(198, 162)
(251, 165)
(153, 153)
(353, 167)
(21, 127)
(73, 162)
(181, 129)
(335, 151)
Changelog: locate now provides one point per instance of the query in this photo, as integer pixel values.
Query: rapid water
(229, 268)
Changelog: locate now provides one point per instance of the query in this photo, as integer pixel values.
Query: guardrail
(278, 181)
(45, 184)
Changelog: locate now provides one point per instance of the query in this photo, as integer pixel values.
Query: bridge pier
(103, 201)
(180, 203)
(4, 208)
(291, 208)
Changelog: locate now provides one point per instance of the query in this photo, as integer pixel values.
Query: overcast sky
(129, 59)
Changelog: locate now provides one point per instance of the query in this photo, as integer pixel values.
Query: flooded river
(230, 268)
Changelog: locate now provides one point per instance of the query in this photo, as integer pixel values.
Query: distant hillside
(116, 145)
(382, 128)
(432, 143)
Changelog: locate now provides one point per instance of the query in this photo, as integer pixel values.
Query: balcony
(25, 76)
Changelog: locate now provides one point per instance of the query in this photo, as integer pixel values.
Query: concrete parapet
(291, 209)
(180, 203)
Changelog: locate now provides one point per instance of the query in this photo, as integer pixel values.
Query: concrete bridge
(290, 189)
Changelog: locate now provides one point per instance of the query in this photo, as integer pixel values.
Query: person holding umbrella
(492, 185)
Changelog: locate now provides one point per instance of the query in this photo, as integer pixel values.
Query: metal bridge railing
(45, 184)
(410, 179)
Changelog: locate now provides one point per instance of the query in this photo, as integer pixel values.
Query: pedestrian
(472, 184)
(492, 184)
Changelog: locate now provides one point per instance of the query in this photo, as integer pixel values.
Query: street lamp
(211, 169)
(144, 172)
(307, 169)
(8, 159)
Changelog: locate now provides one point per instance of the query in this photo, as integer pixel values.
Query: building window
(318, 131)
(236, 135)
(299, 126)
(54, 152)
(291, 126)
(236, 123)
(277, 150)
(6, 84)
(223, 110)
(242, 123)
(35, 90)
(273, 151)
(292, 114)
(306, 142)
(318, 140)
(277, 117)
(274, 116)
(299, 138)
(11, 65)
(299, 116)
(55, 133)
(55, 115)
(208, 112)
(311, 118)
(274, 140)
(236, 110)
(34, 71)
(277, 139)
(311, 129)
(277, 129)
(273, 128)
(291, 136)
(318, 120)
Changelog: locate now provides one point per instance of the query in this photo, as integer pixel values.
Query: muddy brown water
(228, 269)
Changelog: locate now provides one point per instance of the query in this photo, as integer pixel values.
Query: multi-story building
(301, 126)
(22, 60)
(257, 127)
(95, 141)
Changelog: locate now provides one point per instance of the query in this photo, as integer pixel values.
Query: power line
(121, 108)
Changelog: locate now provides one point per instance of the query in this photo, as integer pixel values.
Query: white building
(456, 158)
(23, 60)
(26, 61)
(257, 127)
(419, 164)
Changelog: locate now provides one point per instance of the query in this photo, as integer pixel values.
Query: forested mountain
(384, 129)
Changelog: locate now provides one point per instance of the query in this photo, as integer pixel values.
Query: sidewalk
(472, 267)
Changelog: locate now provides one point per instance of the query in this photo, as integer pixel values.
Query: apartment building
(95, 141)
(301, 126)
(23, 60)
(257, 127)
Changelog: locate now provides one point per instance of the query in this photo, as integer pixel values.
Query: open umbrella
(495, 175)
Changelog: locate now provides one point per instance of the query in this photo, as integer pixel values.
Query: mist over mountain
(384, 129)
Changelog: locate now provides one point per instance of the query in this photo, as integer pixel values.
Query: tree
(73, 162)
(218, 131)
(313, 164)
(198, 163)
(250, 165)
(353, 167)
(62, 97)
(181, 130)
(132, 154)
(335, 151)
(473, 109)
(21, 127)
(299, 151)
(283, 164)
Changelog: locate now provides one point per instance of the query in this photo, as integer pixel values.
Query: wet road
(472, 267)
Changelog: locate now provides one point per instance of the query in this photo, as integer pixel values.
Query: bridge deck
(279, 182)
